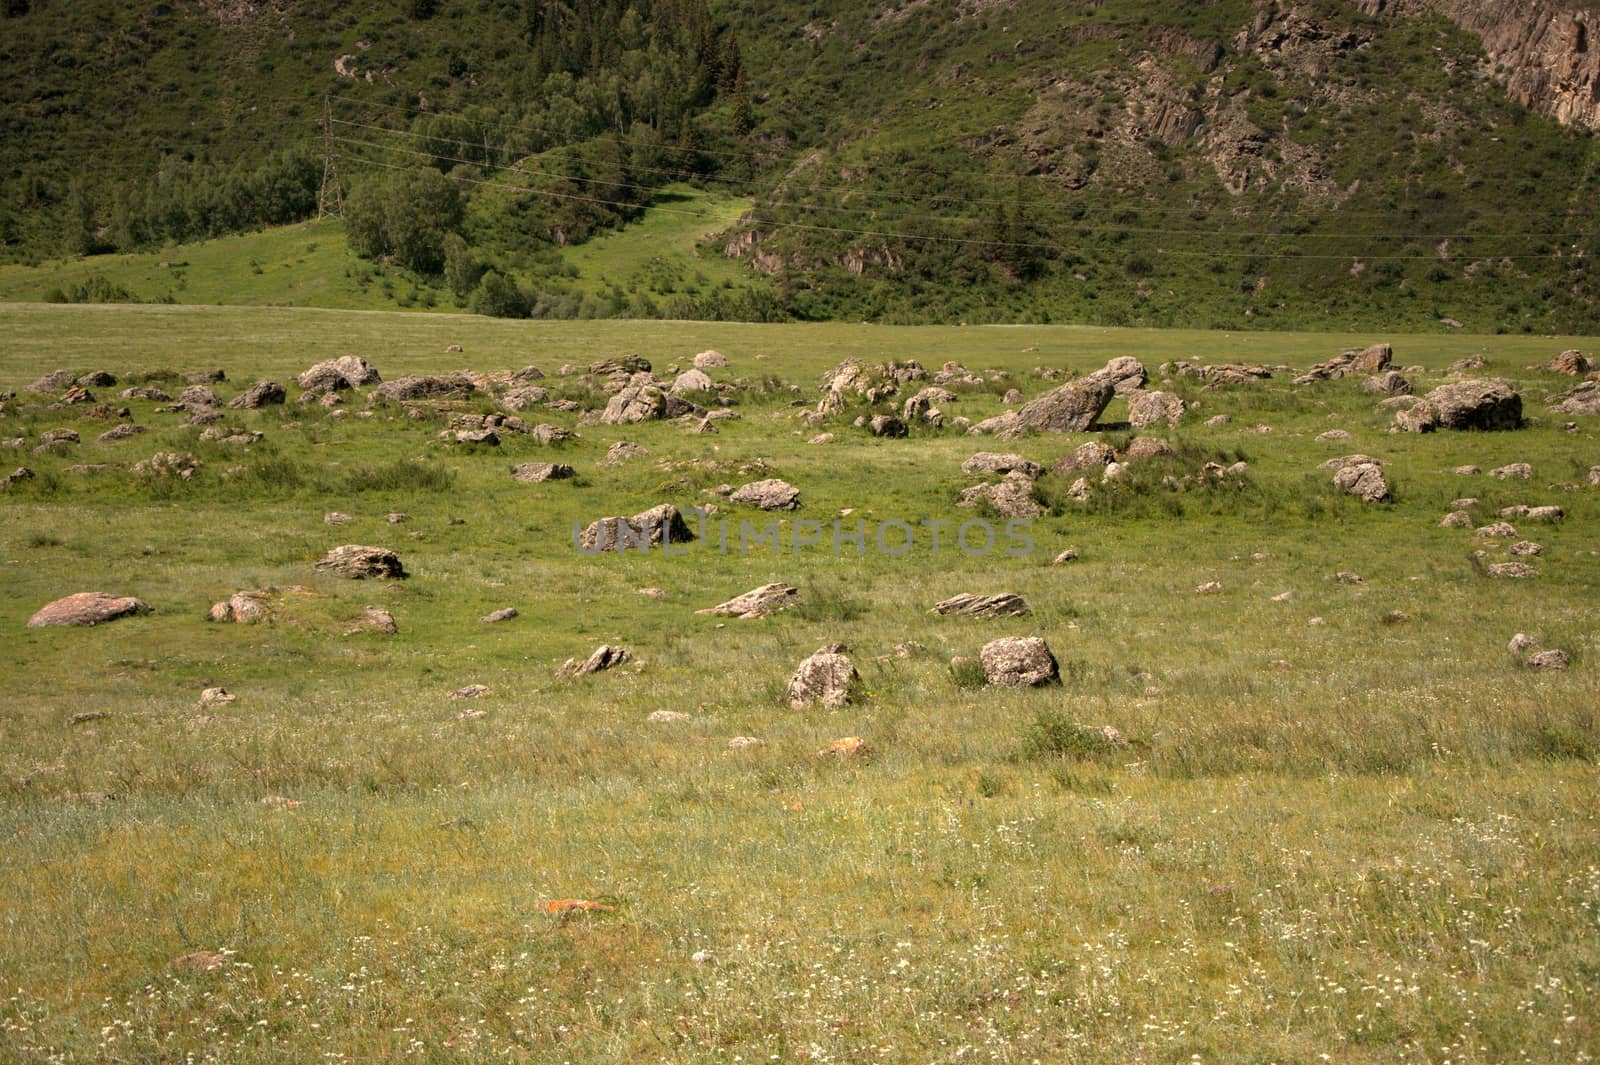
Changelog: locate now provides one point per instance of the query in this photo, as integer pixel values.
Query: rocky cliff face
(1544, 50)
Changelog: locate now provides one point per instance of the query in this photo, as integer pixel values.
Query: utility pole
(330, 197)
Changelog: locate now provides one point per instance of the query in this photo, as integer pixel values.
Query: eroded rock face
(649, 528)
(360, 562)
(1019, 661)
(827, 677)
(1583, 398)
(87, 608)
(756, 603)
(1571, 361)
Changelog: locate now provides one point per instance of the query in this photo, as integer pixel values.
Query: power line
(847, 190)
(1099, 228)
(943, 239)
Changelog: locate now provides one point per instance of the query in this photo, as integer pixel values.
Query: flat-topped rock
(86, 609)
(360, 562)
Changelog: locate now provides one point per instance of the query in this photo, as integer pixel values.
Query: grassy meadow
(1369, 837)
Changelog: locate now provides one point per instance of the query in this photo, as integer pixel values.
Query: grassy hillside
(1217, 165)
(1345, 823)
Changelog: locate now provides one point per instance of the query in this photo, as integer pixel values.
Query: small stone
(213, 697)
(1525, 548)
(471, 691)
(1512, 570)
(1069, 554)
(1209, 588)
(1456, 519)
(603, 658)
(1517, 470)
(1521, 643)
(667, 717)
(744, 743)
(505, 614)
(334, 517)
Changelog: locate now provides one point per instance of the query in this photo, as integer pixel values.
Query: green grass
(661, 254)
(1367, 840)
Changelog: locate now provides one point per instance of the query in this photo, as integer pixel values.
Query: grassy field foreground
(1346, 826)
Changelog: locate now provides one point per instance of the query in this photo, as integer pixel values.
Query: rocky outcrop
(756, 603)
(604, 657)
(1001, 605)
(1071, 408)
(1464, 405)
(347, 371)
(1544, 51)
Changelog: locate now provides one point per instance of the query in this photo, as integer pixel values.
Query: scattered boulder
(504, 614)
(695, 380)
(1124, 374)
(643, 400)
(1147, 447)
(211, 698)
(756, 603)
(336, 517)
(1070, 408)
(1572, 362)
(1216, 421)
(1552, 661)
(1512, 570)
(1594, 476)
(1001, 605)
(261, 394)
(667, 717)
(1152, 408)
(827, 677)
(1208, 588)
(1522, 510)
(1373, 359)
(821, 438)
(359, 562)
(332, 375)
(16, 477)
(1069, 554)
(887, 425)
(1522, 642)
(1485, 405)
(1364, 480)
(1456, 519)
(745, 743)
(54, 382)
(242, 608)
(471, 691)
(1019, 661)
(523, 397)
(1468, 364)
(537, 472)
(604, 657)
(1012, 397)
(204, 377)
(1497, 530)
(550, 435)
(1520, 471)
(710, 360)
(374, 619)
(1581, 399)
(770, 494)
(164, 464)
(87, 608)
(1011, 497)
(650, 528)
(1391, 383)
(424, 386)
(1525, 549)
(1090, 456)
(1000, 463)
(1332, 435)
(145, 392)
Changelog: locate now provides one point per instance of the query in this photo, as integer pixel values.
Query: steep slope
(1233, 164)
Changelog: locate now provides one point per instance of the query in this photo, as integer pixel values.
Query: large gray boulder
(1364, 480)
(1071, 408)
(1018, 662)
(642, 400)
(1010, 497)
(1465, 405)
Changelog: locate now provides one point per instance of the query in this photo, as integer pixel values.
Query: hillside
(1314, 165)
